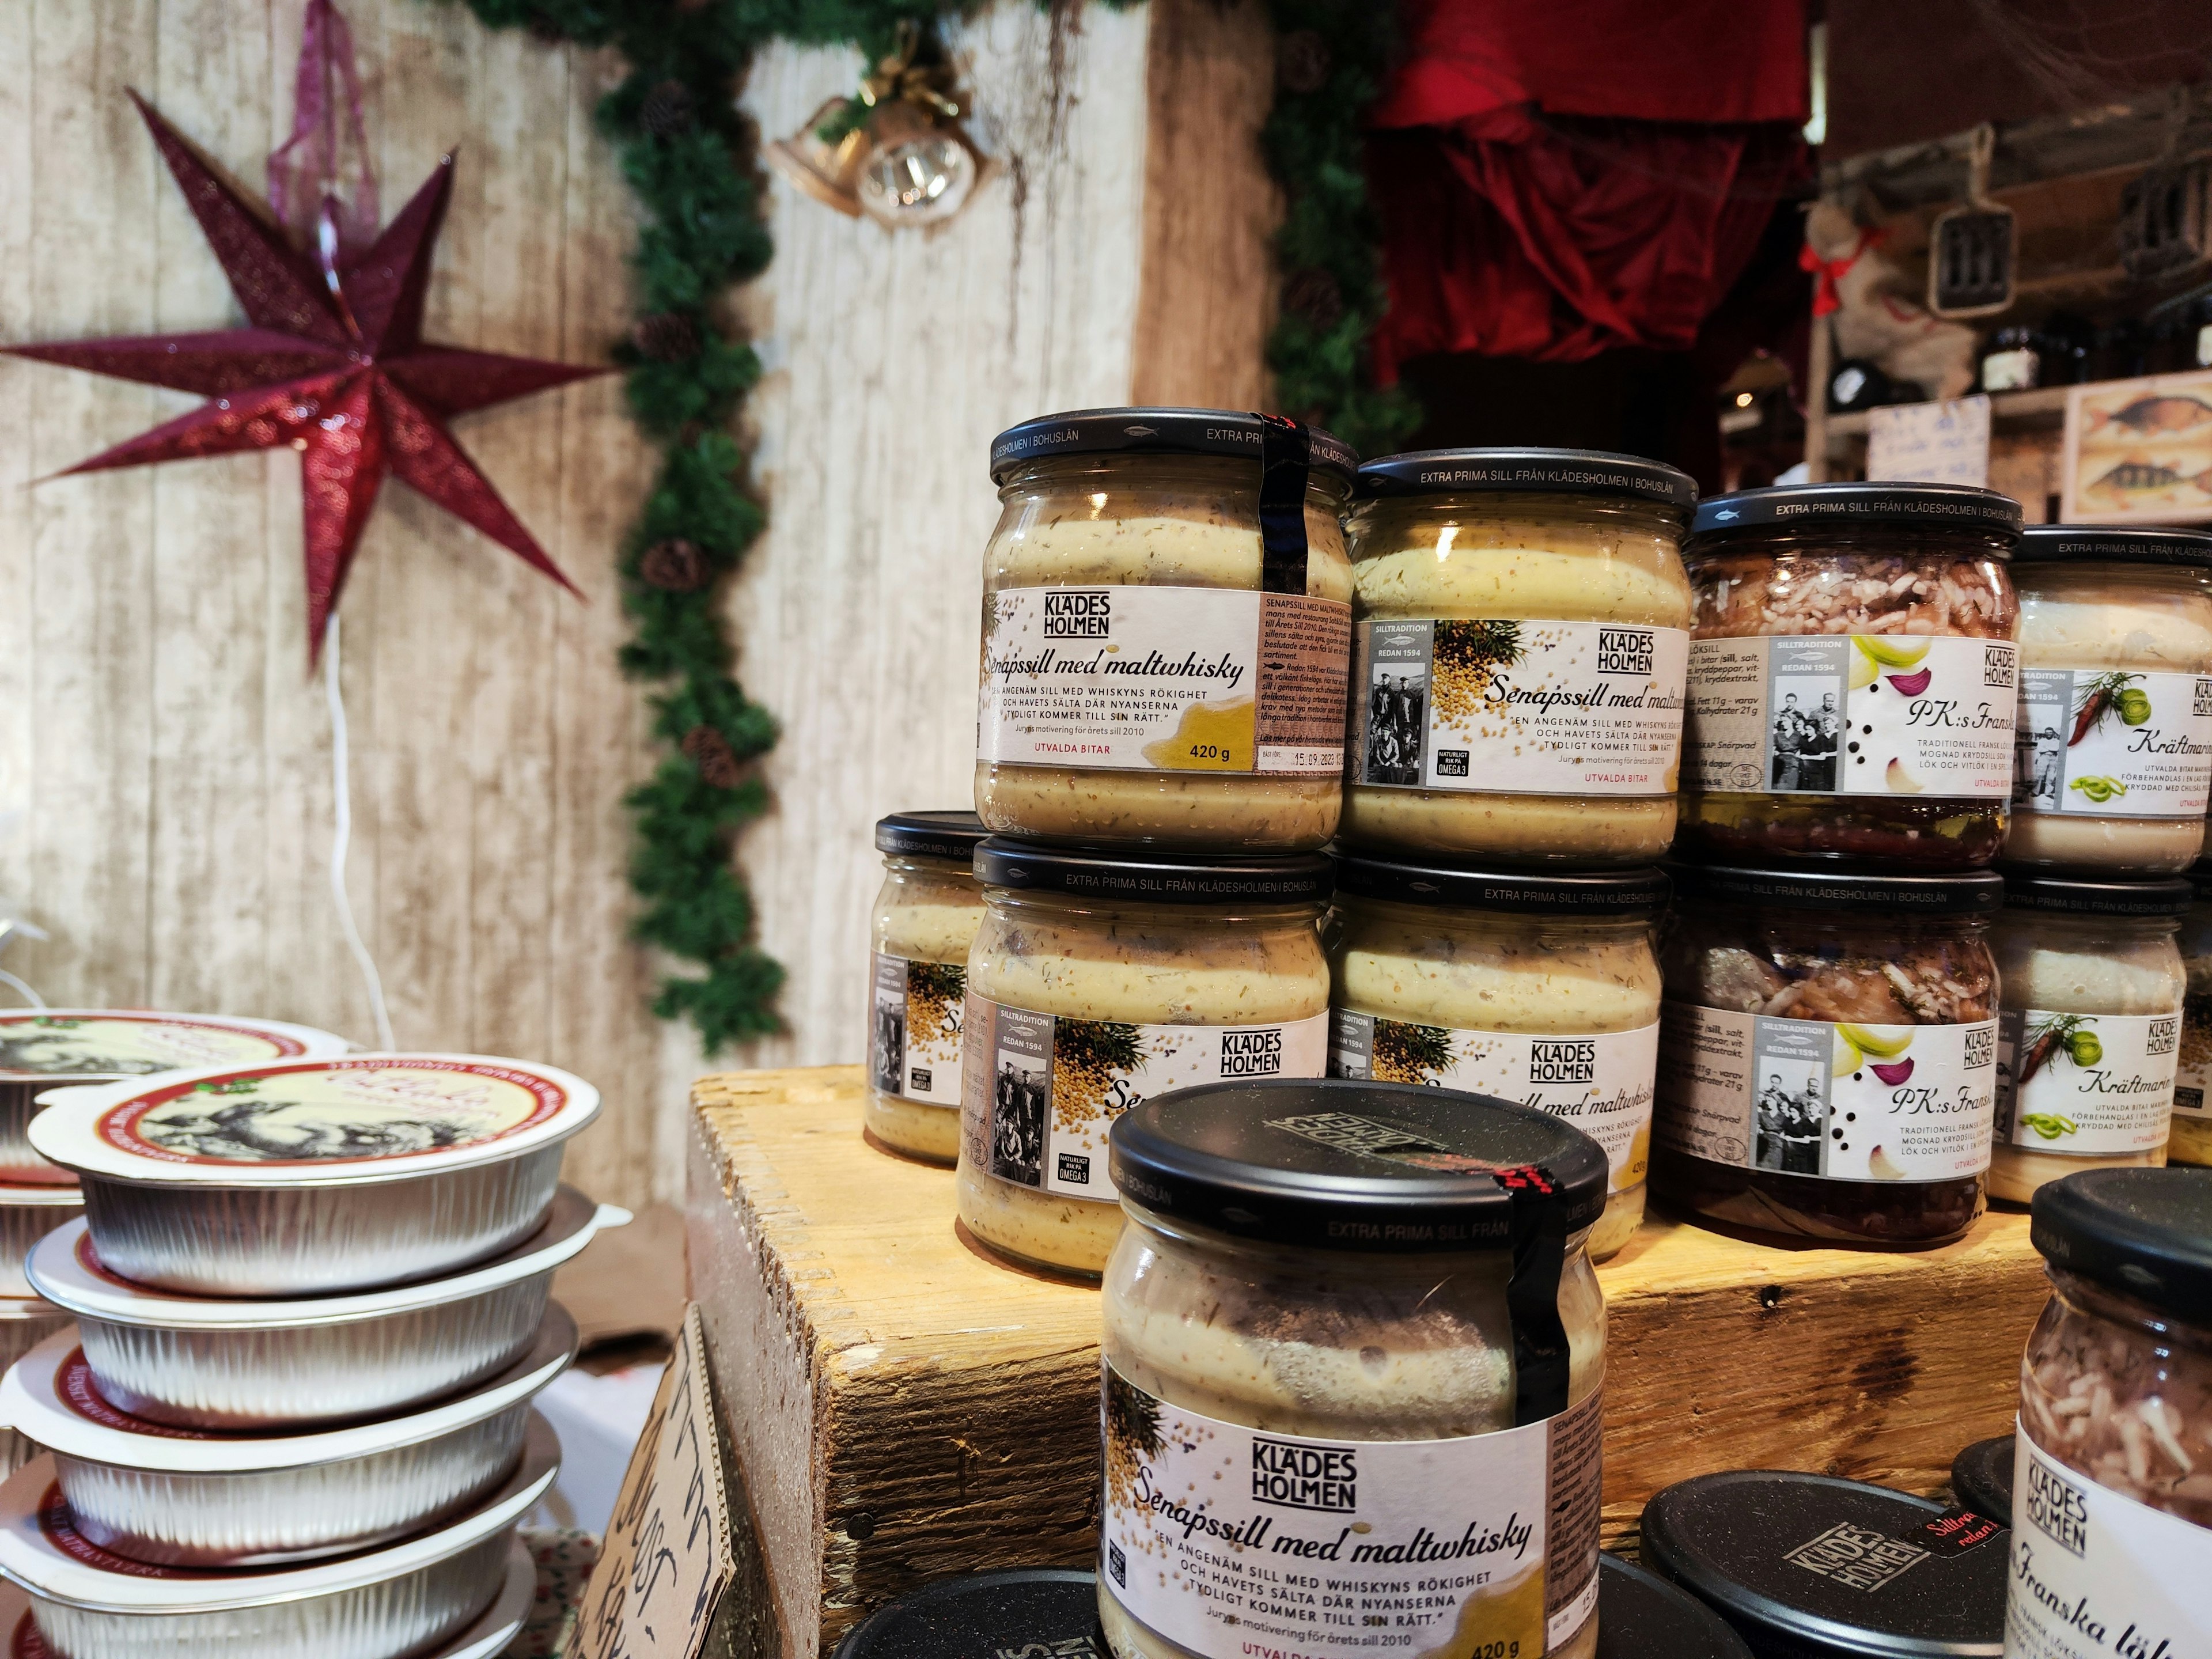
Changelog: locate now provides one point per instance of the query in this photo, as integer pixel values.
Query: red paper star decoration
(333, 363)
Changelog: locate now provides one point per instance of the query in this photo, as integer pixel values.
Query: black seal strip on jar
(1154, 878)
(1284, 455)
(2146, 1234)
(1049, 1610)
(2055, 896)
(1631, 894)
(1641, 1616)
(1972, 893)
(1158, 431)
(1824, 506)
(2100, 543)
(1527, 472)
(1981, 1478)
(949, 835)
(1809, 1566)
(1387, 1168)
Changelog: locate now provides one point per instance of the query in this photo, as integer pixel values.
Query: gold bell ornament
(896, 150)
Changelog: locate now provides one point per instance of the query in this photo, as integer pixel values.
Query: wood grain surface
(902, 1406)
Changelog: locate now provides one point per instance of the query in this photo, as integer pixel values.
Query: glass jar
(1827, 1054)
(1097, 980)
(926, 916)
(1167, 624)
(2114, 767)
(2112, 1488)
(1852, 676)
(1357, 1321)
(1520, 640)
(2089, 1038)
(1539, 989)
(2192, 1139)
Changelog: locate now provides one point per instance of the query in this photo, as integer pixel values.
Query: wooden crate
(902, 1406)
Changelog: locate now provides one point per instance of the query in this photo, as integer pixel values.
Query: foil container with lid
(28, 1214)
(202, 1363)
(419, 1597)
(43, 1048)
(187, 1497)
(316, 1177)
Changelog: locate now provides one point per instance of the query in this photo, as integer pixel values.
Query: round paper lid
(319, 1121)
(41, 1549)
(489, 1635)
(51, 1396)
(64, 1269)
(86, 1045)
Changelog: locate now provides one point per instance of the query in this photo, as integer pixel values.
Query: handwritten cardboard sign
(1931, 443)
(667, 1557)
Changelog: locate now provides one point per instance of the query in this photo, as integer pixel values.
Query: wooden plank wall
(165, 801)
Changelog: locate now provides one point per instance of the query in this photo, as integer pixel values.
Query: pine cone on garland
(1302, 61)
(674, 566)
(710, 751)
(1313, 295)
(667, 337)
(667, 110)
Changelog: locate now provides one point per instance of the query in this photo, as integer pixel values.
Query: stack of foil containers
(312, 1311)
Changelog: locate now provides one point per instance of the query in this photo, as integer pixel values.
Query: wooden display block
(901, 1405)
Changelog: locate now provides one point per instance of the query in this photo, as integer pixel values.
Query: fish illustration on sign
(2154, 416)
(2139, 450)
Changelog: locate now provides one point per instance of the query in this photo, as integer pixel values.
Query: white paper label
(1853, 714)
(2098, 1576)
(1177, 679)
(2192, 1078)
(913, 1034)
(1238, 1545)
(1524, 708)
(1845, 1102)
(2114, 745)
(1041, 1090)
(2085, 1084)
(1600, 1082)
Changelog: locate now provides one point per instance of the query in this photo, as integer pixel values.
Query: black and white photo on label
(1397, 718)
(2042, 759)
(1790, 1118)
(1806, 730)
(1023, 1095)
(890, 1044)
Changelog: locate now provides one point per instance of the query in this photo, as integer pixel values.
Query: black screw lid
(1904, 505)
(1808, 1567)
(1981, 1478)
(1976, 893)
(948, 835)
(1641, 1616)
(1332, 1164)
(2101, 544)
(1133, 876)
(2144, 1233)
(2055, 896)
(1631, 894)
(1155, 432)
(1525, 471)
(1052, 1610)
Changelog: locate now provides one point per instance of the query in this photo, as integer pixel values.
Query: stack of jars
(1893, 689)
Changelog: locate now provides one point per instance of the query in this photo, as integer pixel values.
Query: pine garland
(688, 154)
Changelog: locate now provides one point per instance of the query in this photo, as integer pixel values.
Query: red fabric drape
(1555, 180)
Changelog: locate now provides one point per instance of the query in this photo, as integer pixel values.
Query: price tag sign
(1931, 443)
(667, 1557)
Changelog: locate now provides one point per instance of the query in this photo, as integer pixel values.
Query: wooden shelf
(901, 1407)
(2042, 405)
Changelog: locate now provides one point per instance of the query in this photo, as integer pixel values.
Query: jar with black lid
(1852, 676)
(2112, 1547)
(2090, 1036)
(1641, 1616)
(1167, 623)
(1810, 1566)
(1097, 979)
(926, 916)
(1827, 1054)
(1048, 1612)
(1539, 988)
(1521, 635)
(1356, 1319)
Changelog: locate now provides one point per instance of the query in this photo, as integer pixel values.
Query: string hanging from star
(331, 363)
